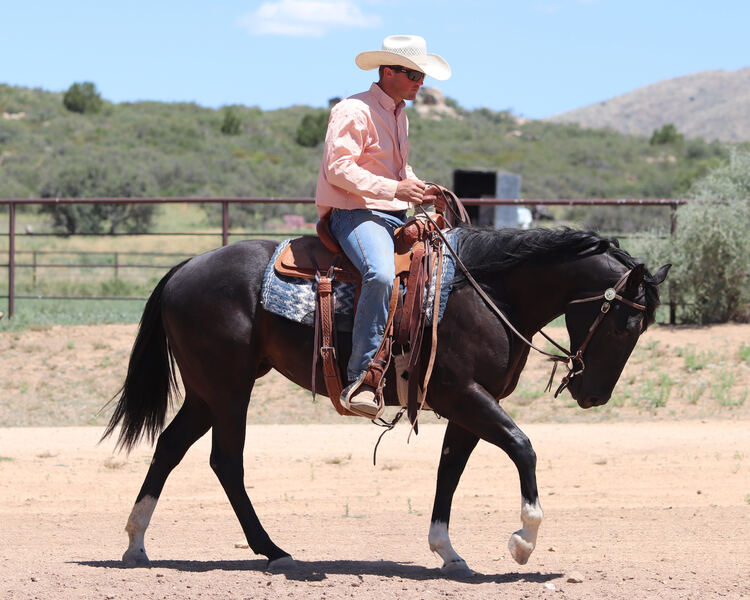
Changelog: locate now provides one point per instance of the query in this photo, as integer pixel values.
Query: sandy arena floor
(632, 510)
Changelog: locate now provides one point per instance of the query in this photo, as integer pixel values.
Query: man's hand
(417, 192)
(410, 190)
(434, 195)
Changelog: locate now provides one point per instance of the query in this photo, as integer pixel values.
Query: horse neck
(539, 293)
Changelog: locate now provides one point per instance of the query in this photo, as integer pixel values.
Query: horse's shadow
(320, 570)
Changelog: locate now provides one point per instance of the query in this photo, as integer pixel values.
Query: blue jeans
(366, 236)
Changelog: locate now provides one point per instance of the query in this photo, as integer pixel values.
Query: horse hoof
(457, 569)
(136, 558)
(520, 549)
(281, 564)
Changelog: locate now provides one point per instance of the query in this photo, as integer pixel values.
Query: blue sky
(536, 58)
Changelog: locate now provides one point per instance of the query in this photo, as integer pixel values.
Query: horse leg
(481, 414)
(190, 423)
(458, 445)
(226, 460)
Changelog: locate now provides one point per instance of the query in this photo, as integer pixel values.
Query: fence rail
(225, 233)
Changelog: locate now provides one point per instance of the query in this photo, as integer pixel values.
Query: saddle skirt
(305, 256)
(289, 282)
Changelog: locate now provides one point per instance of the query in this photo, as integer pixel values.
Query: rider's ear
(635, 279)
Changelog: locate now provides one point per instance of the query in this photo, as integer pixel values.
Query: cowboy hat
(408, 51)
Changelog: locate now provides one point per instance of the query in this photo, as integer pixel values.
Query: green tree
(668, 134)
(232, 123)
(312, 129)
(81, 175)
(83, 98)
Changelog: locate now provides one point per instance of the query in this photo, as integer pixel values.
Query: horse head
(604, 329)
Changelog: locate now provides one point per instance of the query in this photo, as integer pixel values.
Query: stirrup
(371, 409)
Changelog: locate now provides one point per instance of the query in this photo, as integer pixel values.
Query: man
(367, 185)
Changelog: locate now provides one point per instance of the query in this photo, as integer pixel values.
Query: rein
(570, 359)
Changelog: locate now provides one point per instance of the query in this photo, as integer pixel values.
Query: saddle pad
(294, 298)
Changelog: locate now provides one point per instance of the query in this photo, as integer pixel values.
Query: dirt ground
(636, 510)
(648, 497)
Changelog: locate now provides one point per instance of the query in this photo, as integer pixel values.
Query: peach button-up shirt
(365, 154)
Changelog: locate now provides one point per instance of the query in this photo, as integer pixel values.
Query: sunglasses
(412, 74)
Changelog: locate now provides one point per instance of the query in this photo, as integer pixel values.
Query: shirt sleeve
(346, 138)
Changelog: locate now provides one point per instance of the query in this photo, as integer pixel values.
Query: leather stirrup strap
(331, 374)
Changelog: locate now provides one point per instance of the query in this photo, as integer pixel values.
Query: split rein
(608, 296)
(571, 360)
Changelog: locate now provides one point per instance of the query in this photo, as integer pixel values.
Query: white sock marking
(440, 543)
(138, 521)
(523, 541)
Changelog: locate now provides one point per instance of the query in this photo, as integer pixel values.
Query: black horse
(206, 315)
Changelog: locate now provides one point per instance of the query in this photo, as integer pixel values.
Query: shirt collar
(384, 99)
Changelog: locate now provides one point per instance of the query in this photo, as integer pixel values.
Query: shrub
(232, 123)
(710, 249)
(666, 135)
(83, 98)
(312, 129)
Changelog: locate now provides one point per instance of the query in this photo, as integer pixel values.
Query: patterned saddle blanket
(294, 298)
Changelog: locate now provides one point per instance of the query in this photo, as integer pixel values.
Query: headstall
(609, 296)
(574, 362)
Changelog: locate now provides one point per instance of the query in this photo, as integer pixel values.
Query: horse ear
(661, 274)
(635, 279)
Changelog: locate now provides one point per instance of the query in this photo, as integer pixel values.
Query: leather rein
(609, 295)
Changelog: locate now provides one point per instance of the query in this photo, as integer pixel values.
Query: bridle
(573, 361)
(609, 296)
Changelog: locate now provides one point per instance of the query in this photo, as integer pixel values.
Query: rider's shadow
(320, 570)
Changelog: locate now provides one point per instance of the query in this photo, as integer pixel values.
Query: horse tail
(150, 383)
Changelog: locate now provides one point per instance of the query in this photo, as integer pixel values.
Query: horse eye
(621, 318)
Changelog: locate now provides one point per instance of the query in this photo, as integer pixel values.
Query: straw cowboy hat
(408, 51)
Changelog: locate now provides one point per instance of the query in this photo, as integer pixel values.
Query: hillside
(711, 105)
(178, 149)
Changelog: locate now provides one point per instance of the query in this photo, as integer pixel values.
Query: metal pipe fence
(117, 262)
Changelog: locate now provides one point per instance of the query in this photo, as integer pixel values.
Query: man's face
(401, 86)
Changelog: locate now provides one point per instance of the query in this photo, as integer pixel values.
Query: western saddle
(418, 253)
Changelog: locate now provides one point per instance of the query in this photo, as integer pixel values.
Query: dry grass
(65, 375)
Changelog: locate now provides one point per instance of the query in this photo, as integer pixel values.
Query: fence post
(117, 265)
(11, 259)
(224, 223)
(670, 287)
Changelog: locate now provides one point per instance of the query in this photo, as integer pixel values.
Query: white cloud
(306, 18)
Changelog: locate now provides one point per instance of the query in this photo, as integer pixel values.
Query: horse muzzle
(589, 401)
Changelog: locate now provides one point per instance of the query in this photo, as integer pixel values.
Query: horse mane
(487, 251)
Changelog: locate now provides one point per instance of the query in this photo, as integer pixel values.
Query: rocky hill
(711, 105)
(430, 103)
